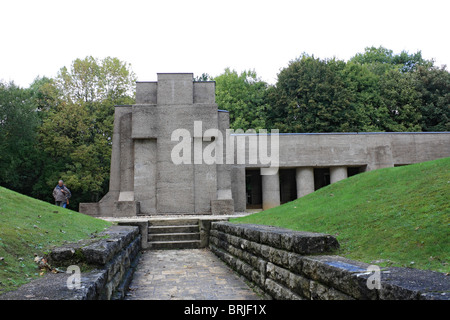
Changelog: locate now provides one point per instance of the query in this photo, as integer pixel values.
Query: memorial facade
(173, 153)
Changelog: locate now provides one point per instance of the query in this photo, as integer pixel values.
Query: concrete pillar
(337, 174)
(238, 187)
(115, 170)
(145, 174)
(270, 190)
(126, 154)
(305, 181)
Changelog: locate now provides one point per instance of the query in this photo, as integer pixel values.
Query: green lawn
(29, 226)
(400, 215)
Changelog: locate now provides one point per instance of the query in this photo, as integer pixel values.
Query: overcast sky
(40, 37)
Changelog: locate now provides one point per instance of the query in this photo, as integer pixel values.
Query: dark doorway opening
(321, 177)
(288, 185)
(351, 171)
(253, 188)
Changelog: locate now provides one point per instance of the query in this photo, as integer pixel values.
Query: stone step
(161, 245)
(173, 236)
(172, 222)
(173, 229)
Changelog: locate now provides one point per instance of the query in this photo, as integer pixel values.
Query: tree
(18, 153)
(76, 132)
(311, 95)
(243, 95)
(401, 102)
(364, 86)
(374, 91)
(398, 106)
(91, 80)
(380, 60)
(203, 77)
(434, 86)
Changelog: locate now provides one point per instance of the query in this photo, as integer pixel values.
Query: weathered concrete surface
(145, 175)
(408, 283)
(186, 275)
(270, 191)
(376, 150)
(54, 287)
(337, 174)
(304, 177)
(326, 150)
(141, 163)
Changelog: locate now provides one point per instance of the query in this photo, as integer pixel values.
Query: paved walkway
(186, 275)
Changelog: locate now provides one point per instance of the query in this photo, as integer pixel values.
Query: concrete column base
(305, 181)
(337, 174)
(270, 190)
(222, 206)
(126, 209)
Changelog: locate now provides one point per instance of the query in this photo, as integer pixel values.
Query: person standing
(68, 194)
(61, 194)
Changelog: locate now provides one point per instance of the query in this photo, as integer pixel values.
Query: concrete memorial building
(173, 153)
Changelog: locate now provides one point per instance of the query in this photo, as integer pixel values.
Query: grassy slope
(29, 226)
(400, 215)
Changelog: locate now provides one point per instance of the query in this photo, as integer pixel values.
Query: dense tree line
(61, 127)
(373, 91)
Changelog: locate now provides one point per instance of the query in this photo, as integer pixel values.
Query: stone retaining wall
(113, 257)
(107, 264)
(291, 265)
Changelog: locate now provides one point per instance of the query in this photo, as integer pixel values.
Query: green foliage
(400, 101)
(311, 96)
(92, 80)
(77, 131)
(434, 87)
(18, 123)
(398, 215)
(365, 98)
(243, 95)
(62, 128)
(381, 60)
(374, 91)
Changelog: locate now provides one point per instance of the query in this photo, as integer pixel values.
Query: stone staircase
(173, 234)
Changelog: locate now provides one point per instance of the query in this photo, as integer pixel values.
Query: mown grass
(28, 227)
(392, 217)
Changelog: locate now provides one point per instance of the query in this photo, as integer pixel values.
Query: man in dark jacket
(61, 194)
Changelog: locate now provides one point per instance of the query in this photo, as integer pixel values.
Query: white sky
(40, 37)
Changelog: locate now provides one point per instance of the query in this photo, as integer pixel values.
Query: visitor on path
(67, 197)
(61, 194)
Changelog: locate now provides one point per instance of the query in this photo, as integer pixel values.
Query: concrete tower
(144, 178)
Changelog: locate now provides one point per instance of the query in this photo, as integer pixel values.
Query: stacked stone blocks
(291, 265)
(112, 258)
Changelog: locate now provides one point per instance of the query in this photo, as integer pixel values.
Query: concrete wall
(376, 150)
(337, 152)
(291, 265)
